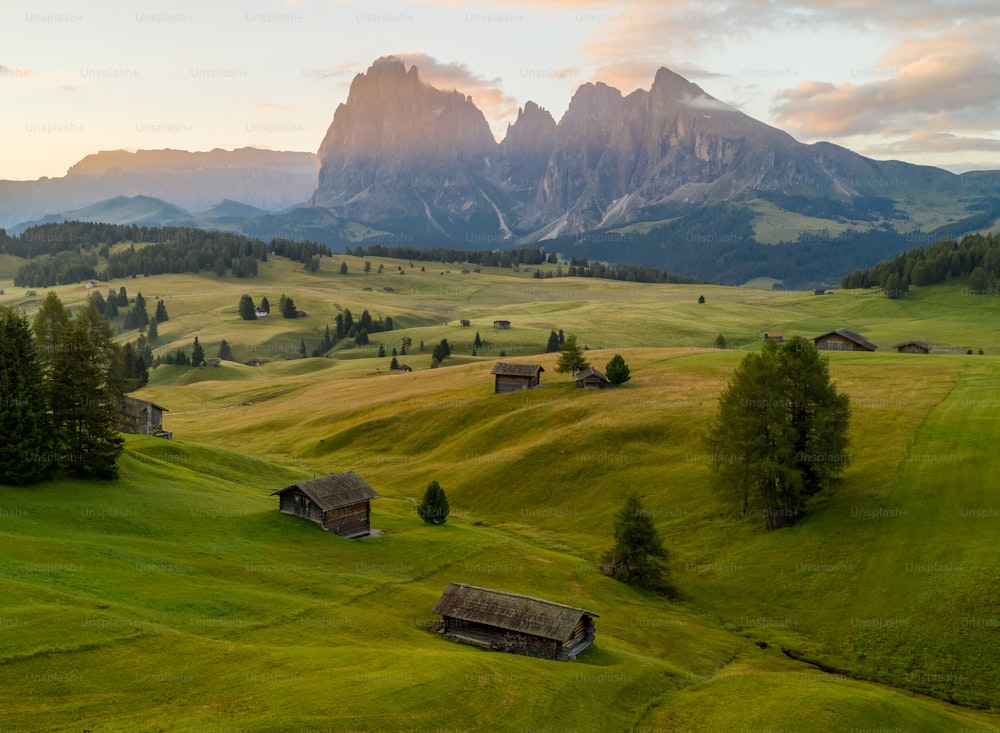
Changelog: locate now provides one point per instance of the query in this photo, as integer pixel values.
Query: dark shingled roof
(914, 342)
(516, 370)
(523, 614)
(334, 491)
(851, 336)
(138, 405)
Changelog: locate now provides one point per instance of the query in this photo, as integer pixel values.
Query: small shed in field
(339, 503)
(405, 368)
(146, 418)
(212, 361)
(843, 340)
(515, 377)
(775, 336)
(465, 323)
(913, 347)
(506, 622)
(590, 378)
(501, 324)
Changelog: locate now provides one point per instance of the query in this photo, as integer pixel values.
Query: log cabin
(515, 377)
(339, 503)
(507, 622)
(843, 340)
(590, 378)
(145, 418)
(913, 347)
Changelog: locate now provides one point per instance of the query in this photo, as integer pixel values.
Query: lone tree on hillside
(617, 370)
(780, 433)
(638, 557)
(571, 357)
(553, 345)
(433, 509)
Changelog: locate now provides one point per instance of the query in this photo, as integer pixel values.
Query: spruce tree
(265, 305)
(225, 351)
(433, 509)
(25, 426)
(617, 370)
(87, 400)
(247, 310)
(197, 353)
(48, 326)
(553, 345)
(638, 556)
(153, 332)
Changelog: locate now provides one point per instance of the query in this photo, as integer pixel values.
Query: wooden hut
(145, 418)
(506, 622)
(913, 347)
(501, 324)
(775, 336)
(465, 323)
(339, 503)
(843, 340)
(515, 377)
(590, 378)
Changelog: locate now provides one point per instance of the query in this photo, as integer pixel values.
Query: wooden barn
(501, 324)
(146, 418)
(775, 336)
(843, 340)
(465, 323)
(515, 377)
(339, 503)
(590, 378)
(512, 623)
(913, 347)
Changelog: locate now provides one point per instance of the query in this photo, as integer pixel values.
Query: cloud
(944, 82)
(275, 107)
(933, 142)
(488, 94)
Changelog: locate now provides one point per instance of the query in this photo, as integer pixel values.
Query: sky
(917, 81)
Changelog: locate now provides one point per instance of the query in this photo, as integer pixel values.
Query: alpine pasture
(178, 598)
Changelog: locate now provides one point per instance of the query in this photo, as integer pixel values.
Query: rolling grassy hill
(179, 599)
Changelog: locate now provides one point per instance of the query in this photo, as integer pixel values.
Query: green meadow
(178, 598)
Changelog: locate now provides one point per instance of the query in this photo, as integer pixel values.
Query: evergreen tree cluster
(68, 252)
(62, 387)
(977, 257)
(433, 508)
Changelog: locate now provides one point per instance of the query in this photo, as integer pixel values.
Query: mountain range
(670, 177)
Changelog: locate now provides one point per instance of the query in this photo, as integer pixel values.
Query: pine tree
(302, 348)
(638, 556)
(161, 312)
(720, 341)
(433, 509)
(553, 345)
(617, 370)
(48, 326)
(394, 364)
(478, 343)
(87, 399)
(135, 371)
(381, 350)
(247, 310)
(362, 338)
(197, 354)
(225, 351)
(25, 426)
(571, 358)
(343, 268)
(153, 331)
(265, 305)
(122, 297)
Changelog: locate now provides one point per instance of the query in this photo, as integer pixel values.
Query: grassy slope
(183, 600)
